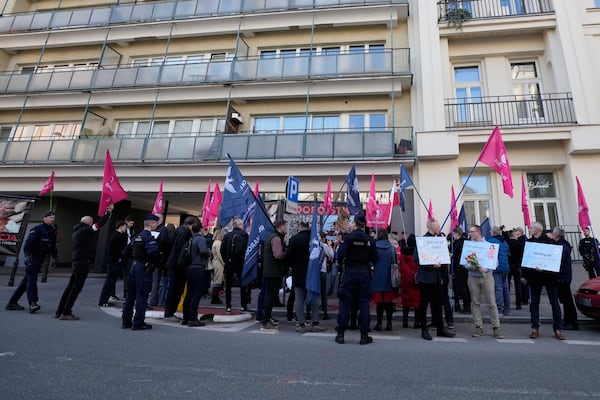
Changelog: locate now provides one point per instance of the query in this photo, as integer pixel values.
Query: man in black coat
(82, 257)
(114, 261)
(298, 253)
(233, 251)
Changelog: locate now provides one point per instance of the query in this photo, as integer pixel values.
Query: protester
(461, 276)
(500, 274)
(164, 246)
(564, 282)
(381, 284)
(50, 260)
(218, 267)
(40, 243)
(114, 262)
(409, 291)
(588, 248)
(127, 261)
(515, 256)
(83, 241)
(198, 277)
(274, 268)
(326, 268)
(233, 251)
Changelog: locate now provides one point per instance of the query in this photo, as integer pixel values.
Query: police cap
(150, 217)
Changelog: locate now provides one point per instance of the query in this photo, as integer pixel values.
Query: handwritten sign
(487, 253)
(432, 250)
(543, 256)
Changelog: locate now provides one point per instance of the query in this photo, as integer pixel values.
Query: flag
(486, 229)
(313, 274)
(215, 203)
(584, 211)
(394, 201)
(430, 215)
(48, 186)
(237, 196)
(256, 191)
(453, 212)
(462, 219)
(525, 204)
(494, 155)
(206, 205)
(405, 182)
(112, 191)
(158, 203)
(377, 214)
(327, 204)
(260, 229)
(352, 192)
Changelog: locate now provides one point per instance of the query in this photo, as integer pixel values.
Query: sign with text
(292, 194)
(432, 250)
(543, 256)
(14, 215)
(486, 252)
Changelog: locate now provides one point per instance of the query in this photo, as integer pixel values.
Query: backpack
(185, 255)
(237, 250)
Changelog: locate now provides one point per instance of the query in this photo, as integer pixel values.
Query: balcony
(389, 62)
(382, 143)
(464, 10)
(164, 11)
(546, 109)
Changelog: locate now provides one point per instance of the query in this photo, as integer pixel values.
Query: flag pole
(51, 192)
(460, 193)
(336, 198)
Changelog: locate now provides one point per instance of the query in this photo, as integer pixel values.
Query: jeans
(157, 279)
(75, 286)
(301, 297)
(197, 281)
(332, 277)
(566, 298)
(164, 289)
(110, 282)
(28, 284)
(354, 285)
(479, 286)
(534, 305)
(139, 284)
(502, 292)
(271, 288)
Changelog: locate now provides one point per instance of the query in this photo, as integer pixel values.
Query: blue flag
(260, 230)
(237, 196)
(486, 229)
(352, 192)
(462, 219)
(313, 275)
(405, 182)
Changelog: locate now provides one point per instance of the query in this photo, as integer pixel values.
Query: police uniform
(144, 251)
(588, 250)
(357, 252)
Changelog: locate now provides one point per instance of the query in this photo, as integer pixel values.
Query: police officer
(145, 253)
(588, 248)
(356, 252)
(40, 243)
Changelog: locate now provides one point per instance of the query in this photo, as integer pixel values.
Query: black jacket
(542, 278)
(84, 238)
(233, 263)
(40, 242)
(182, 235)
(116, 245)
(298, 253)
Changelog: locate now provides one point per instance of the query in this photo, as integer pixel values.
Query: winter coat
(298, 253)
(386, 256)
(503, 253)
(410, 294)
(566, 271)
(84, 240)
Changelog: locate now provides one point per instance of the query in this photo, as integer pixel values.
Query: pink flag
(430, 215)
(494, 155)
(584, 216)
(327, 204)
(256, 190)
(206, 205)
(48, 186)
(215, 203)
(112, 191)
(453, 212)
(158, 203)
(525, 204)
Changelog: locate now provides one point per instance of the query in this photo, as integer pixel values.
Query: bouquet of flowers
(474, 262)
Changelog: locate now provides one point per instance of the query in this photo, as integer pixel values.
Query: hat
(150, 217)
(49, 214)
(360, 218)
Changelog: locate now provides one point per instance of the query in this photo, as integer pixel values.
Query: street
(44, 358)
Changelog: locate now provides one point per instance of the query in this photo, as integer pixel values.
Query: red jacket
(410, 294)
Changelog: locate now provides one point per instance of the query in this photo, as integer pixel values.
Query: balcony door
(467, 83)
(527, 90)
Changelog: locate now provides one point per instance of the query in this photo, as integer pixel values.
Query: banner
(543, 256)
(487, 253)
(14, 216)
(237, 196)
(260, 229)
(432, 250)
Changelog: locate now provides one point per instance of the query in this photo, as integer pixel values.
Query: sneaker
(105, 305)
(301, 328)
(274, 321)
(14, 307)
(228, 309)
(141, 327)
(292, 321)
(498, 334)
(114, 298)
(173, 318)
(317, 328)
(34, 307)
(68, 317)
(478, 332)
(269, 327)
(244, 309)
(451, 326)
(193, 324)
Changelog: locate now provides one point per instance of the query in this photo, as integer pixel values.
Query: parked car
(587, 298)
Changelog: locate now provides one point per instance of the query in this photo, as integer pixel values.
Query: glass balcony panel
(324, 65)
(207, 147)
(22, 22)
(5, 23)
(181, 148)
(348, 145)
(171, 74)
(294, 67)
(245, 70)
(253, 5)
(301, 3)
(195, 72)
(186, 8)
(278, 4)
(60, 19)
(230, 6)
(4, 80)
(270, 68)
(157, 149)
(235, 145)
(18, 83)
(85, 150)
(289, 146)
(148, 76)
(319, 145)
(208, 7)
(131, 149)
(125, 77)
(261, 146)
(100, 16)
(38, 150)
(60, 80)
(121, 14)
(104, 78)
(81, 18)
(324, 3)
(3, 146)
(111, 145)
(17, 151)
(349, 64)
(142, 12)
(81, 79)
(378, 144)
(41, 21)
(61, 150)
(40, 81)
(218, 71)
(163, 11)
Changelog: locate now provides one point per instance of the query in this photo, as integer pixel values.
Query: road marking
(320, 334)
(7, 354)
(515, 341)
(386, 337)
(269, 332)
(449, 340)
(582, 342)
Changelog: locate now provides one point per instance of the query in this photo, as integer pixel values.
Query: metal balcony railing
(523, 110)
(482, 9)
(162, 11)
(330, 145)
(387, 62)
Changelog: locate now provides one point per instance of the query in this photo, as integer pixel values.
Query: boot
(215, 296)
(340, 338)
(388, 327)
(365, 338)
(425, 334)
(378, 327)
(405, 311)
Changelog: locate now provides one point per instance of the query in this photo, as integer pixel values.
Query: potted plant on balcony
(457, 16)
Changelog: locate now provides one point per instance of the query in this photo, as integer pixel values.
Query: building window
(80, 66)
(374, 121)
(543, 198)
(476, 199)
(526, 87)
(5, 132)
(178, 127)
(48, 131)
(597, 3)
(467, 83)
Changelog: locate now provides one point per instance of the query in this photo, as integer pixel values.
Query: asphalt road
(44, 358)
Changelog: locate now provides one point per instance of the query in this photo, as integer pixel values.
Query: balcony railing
(523, 110)
(388, 62)
(162, 11)
(381, 143)
(482, 9)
